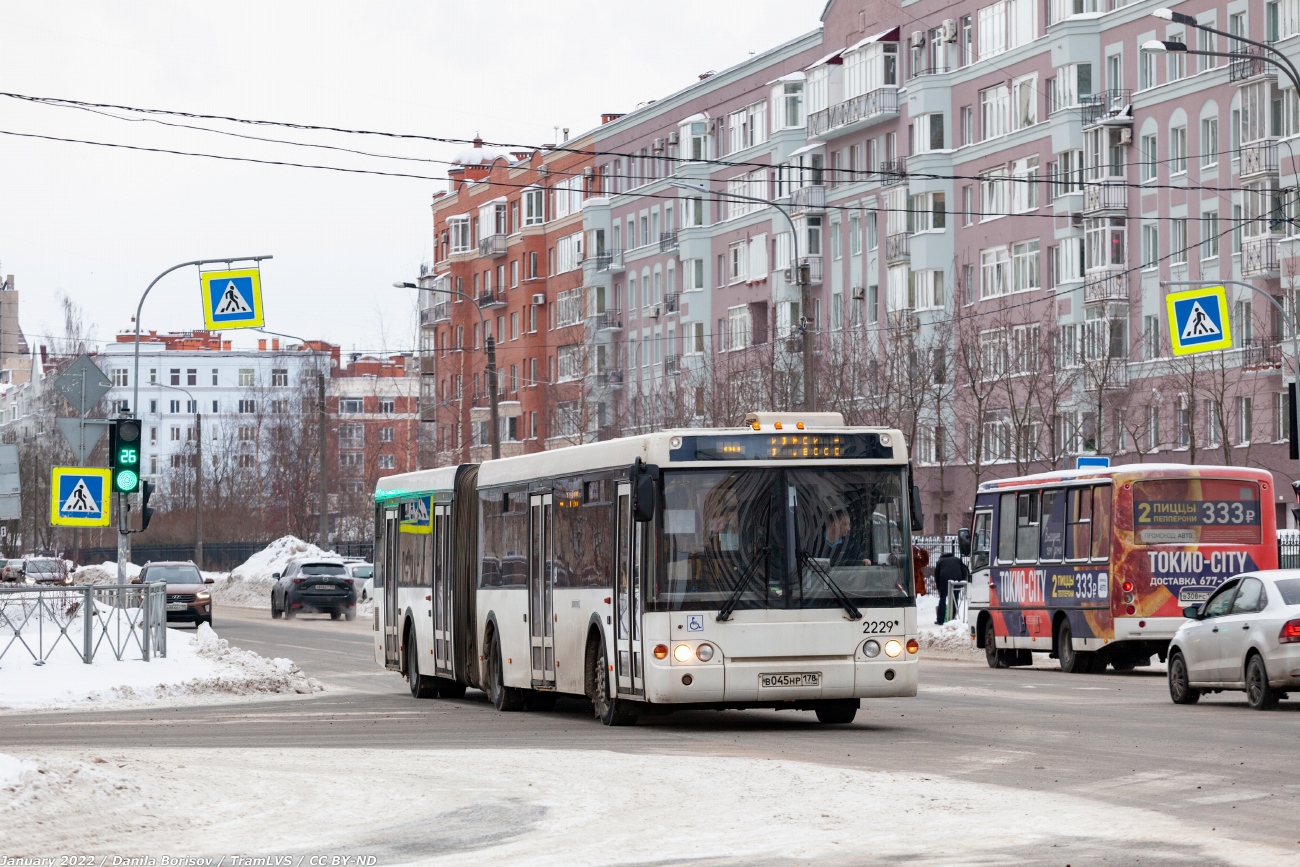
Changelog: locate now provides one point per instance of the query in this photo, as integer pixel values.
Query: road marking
(1228, 797)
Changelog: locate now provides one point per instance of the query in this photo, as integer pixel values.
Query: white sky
(100, 223)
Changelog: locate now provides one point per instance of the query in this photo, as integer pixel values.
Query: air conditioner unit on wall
(1126, 136)
(674, 138)
(659, 145)
(950, 30)
(1076, 220)
(918, 38)
(539, 299)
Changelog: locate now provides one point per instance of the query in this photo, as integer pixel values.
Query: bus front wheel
(995, 658)
(837, 713)
(609, 708)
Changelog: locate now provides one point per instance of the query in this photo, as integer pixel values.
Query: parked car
(1246, 636)
(362, 575)
(313, 585)
(45, 570)
(188, 599)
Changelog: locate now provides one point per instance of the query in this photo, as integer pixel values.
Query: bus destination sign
(778, 447)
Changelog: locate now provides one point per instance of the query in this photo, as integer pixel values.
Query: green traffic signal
(126, 456)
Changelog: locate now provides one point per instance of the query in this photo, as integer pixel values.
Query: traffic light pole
(123, 537)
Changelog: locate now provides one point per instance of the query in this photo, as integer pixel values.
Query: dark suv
(313, 585)
(188, 599)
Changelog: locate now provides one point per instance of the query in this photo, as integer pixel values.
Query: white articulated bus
(767, 566)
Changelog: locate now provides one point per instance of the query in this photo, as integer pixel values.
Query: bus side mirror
(963, 541)
(643, 504)
(918, 518)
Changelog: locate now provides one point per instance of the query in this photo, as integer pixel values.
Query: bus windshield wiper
(725, 613)
(808, 562)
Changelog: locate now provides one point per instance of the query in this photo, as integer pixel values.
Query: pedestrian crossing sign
(415, 516)
(79, 497)
(1198, 320)
(232, 299)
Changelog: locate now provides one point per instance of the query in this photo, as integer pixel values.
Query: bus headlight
(682, 652)
(893, 647)
(704, 652)
(871, 649)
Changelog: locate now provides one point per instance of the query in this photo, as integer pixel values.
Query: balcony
(426, 269)
(893, 173)
(672, 365)
(1109, 374)
(1105, 197)
(1259, 256)
(1106, 107)
(667, 242)
(610, 377)
(1250, 63)
(898, 247)
(903, 320)
(607, 320)
(488, 300)
(856, 113)
(492, 246)
(1261, 355)
(436, 313)
(1106, 286)
(1258, 159)
(808, 200)
(814, 265)
(610, 261)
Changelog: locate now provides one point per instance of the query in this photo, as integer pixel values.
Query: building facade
(991, 202)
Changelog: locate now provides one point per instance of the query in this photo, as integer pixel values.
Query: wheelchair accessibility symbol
(695, 623)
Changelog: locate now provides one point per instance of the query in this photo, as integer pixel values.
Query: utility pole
(493, 418)
(806, 327)
(323, 494)
(198, 488)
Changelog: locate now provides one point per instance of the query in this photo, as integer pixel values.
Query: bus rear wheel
(837, 713)
(1073, 661)
(504, 698)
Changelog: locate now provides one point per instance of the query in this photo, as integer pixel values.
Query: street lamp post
(1160, 46)
(322, 494)
(198, 473)
(490, 347)
(1295, 337)
(123, 536)
(802, 278)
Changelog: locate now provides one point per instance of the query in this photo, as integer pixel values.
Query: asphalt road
(1115, 737)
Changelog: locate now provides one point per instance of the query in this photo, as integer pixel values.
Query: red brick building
(508, 252)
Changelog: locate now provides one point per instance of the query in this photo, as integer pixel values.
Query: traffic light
(124, 440)
(146, 491)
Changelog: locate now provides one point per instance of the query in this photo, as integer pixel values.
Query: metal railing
(1103, 105)
(1105, 197)
(898, 247)
(809, 198)
(491, 299)
(122, 618)
(878, 103)
(1259, 256)
(671, 302)
(1250, 62)
(957, 603)
(1106, 286)
(1288, 550)
(607, 320)
(1261, 354)
(610, 260)
(667, 242)
(893, 172)
(1258, 157)
(492, 246)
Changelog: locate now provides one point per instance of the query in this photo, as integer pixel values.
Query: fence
(1288, 549)
(116, 617)
(217, 556)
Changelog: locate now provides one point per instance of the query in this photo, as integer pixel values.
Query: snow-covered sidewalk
(950, 641)
(561, 807)
(199, 668)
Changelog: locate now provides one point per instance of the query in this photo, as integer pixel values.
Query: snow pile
(950, 641)
(104, 573)
(248, 585)
(198, 667)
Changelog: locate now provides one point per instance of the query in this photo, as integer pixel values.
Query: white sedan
(1244, 637)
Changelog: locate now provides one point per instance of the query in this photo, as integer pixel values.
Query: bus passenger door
(441, 602)
(981, 540)
(392, 570)
(627, 590)
(541, 586)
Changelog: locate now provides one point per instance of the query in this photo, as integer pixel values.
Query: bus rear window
(1196, 511)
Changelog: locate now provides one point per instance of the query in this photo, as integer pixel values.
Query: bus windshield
(783, 538)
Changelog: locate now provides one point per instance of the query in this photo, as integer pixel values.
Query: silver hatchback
(1244, 637)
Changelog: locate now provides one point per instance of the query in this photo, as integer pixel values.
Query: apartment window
(926, 212)
(1209, 141)
(570, 361)
(388, 462)
(351, 459)
(1213, 422)
(1236, 228)
(926, 289)
(1206, 41)
(1024, 184)
(994, 265)
(873, 232)
(175, 434)
(1178, 242)
(693, 339)
(873, 304)
(153, 376)
(247, 406)
(1068, 177)
(1025, 349)
(737, 327)
(967, 125)
(247, 377)
(695, 140)
(995, 103)
(927, 133)
(1146, 69)
(153, 407)
(1210, 235)
(534, 207)
(121, 377)
(387, 405)
(351, 406)
(1150, 337)
(352, 436)
(1148, 157)
(1115, 71)
(1024, 266)
(855, 235)
(174, 376)
(279, 377)
(1067, 261)
(1024, 93)
(1281, 416)
(1105, 241)
(747, 127)
(1073, 85)
(1178, 150)
(965, 40)
(836, 244)
(1150, 247)
(461, 235)
(993, 198)
(1177, 60)
(992, 33)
